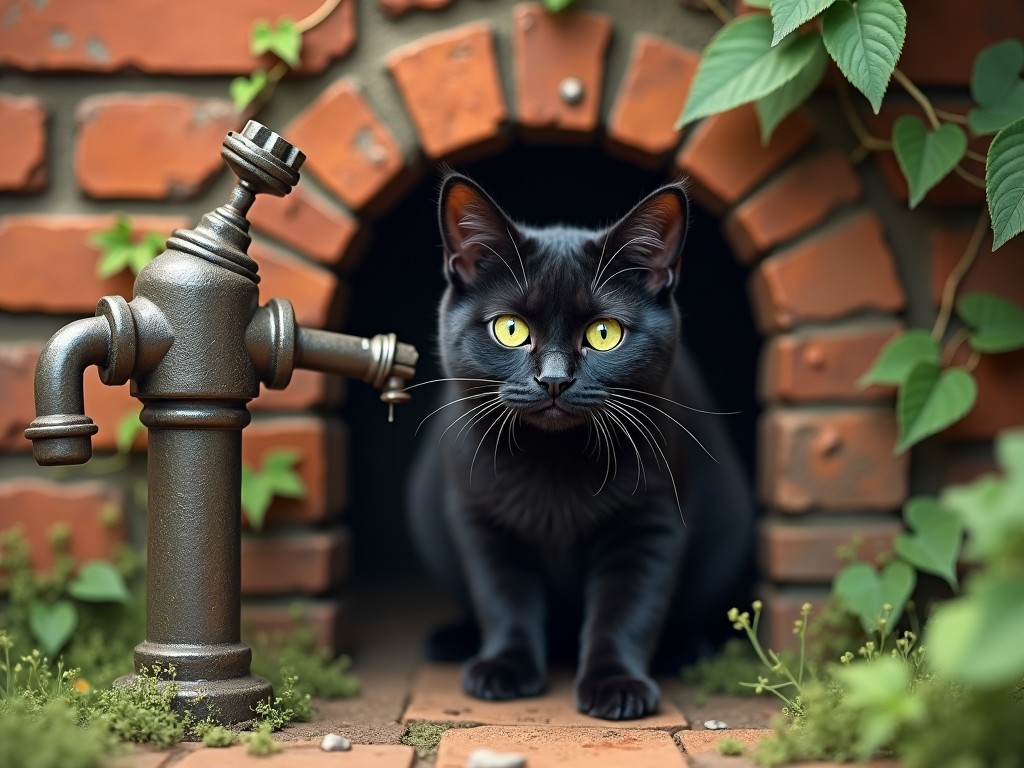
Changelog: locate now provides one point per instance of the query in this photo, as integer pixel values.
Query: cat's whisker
(639, 460)
(520, 256)
(627, 269)
(621, 247)
(453, 402)
(480, 444)
(675, 402)
(674, 421)
(668, 469)
(644, 430)
(603, 427)
(637, 412)
(497, 438)
(502, 259)
(597, 272)
(437, 381)
(467, 413)
(483, 414)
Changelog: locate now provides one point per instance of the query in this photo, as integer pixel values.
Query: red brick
(549, 48)
(823, 365)
(323, 465)
(651, 98)
(451, 87)
(706, 742)
(186, 37)
(396, 8)
(349, 148)
(1000, 272)
(49, 265)
(17, 371)
(782, 607)
(831, 459)
(312, 290)
(797, 200)
(301, 221)
(307, 563)
(302, 754)
(1000, 404)
(808, 553)
(330, 619)
(23, 137)
(846, 270)
(150, 146)
(307, 389)
(724, 157)
(36, 506)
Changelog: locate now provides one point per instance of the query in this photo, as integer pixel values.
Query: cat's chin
(554, 419)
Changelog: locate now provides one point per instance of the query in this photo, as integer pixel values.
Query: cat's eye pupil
(510, 327)
(603, 330)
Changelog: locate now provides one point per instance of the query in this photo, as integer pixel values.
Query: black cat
(552, 498)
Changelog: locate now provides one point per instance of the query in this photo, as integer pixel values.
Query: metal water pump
(195, 345)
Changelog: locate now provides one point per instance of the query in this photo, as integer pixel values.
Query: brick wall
(386, 91)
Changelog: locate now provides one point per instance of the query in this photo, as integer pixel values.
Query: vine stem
(720, 11)
(317, 16)
(916, 94)
(867, 140)
(957, 275)
(950, 117)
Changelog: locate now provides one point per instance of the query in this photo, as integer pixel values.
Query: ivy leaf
(740, 65)
(276, 478)
(256, 498)
(998, 324)
(52, 624)
(930, 400)
(245, 90)
(866, 592)
(934, 544)
(926, 157)
(1004, 182)
(128, 429)
(898, 356)
(284, 41)
(777, 105)
(787, 15)
(865, 40)
(119, 251)
(997, 85)
(99, 582)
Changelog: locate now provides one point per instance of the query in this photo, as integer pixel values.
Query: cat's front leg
(508, 600)
(630, 580)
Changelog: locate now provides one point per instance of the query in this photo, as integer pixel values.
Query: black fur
(520, 506)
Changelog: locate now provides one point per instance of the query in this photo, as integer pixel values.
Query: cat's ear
(473, 227)
(651, 237)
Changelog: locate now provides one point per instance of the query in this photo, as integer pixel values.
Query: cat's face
(556, 320)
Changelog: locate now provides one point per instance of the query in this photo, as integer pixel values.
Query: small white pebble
(488, 758)
(332, 742)
(715, 725)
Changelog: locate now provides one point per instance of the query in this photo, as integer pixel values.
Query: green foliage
(741, 65)
(554, 6)
(773, 108)
(295, 654)
(424, 738)
(99, 582)
(873, 596)
(787, 15)
(121, 248)
(933, 546)
(245, 90)
(926, 157)
(276, 478)
(260, 742)
(722, 672)
(128, 430)
(730, 747)
(283, 40)
(997, 324)
(51, 737)
(997, 85)
(899, 355)
(52, 624)
(1004, 179)
(217, 736)
(930, 400)
(140, 710)
(865, 39)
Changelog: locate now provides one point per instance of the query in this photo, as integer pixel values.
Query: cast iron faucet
(195, 345)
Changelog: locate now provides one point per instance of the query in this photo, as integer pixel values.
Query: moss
(722, 673)
(424, 737)
(260, 742)
(51, 737)
(141, 709)
(218, 736)
(730, 747)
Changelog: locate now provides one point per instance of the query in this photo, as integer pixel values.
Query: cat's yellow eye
(604, 334)
(511, 330)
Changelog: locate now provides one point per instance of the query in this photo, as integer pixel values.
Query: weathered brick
(396, 8)
(808, 553)
(846, 270)
(798, 199)
(706, 742)
(301, 221)
(451, 87)
(999, 405)
(782, 607)
(1000, 272)
(49, 265)
(823, 365)
(312, 290)
(348, 147)
(322, 448)
(724, 157)
(90, 511)
(307, 389)
(149, 146)
(651, 98)
(17, 371)
(549, 48)
(329, 619)
(303, 754)
(830, 459)
(307, 563)
(23, 137)
(186, 37)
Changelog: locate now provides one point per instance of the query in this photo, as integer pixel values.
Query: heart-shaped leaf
(52, 624)
(865, 40)
(998, 324)
(245, 90)
(997, 84)
(99, 582)
(787, 15)
(740, 65)
(866, 592)
(926, 157)
(930, 400)
(1004, 183)
(776, 106)
(934, 544)
(898, 356)
(256, 497)
(284, 41)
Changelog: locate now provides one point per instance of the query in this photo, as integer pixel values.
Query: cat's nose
(555, 385)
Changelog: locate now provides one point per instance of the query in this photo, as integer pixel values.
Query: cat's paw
(501, 677)
(616, 697)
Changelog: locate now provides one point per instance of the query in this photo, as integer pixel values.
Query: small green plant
(730, 747)
(295, 654)
(122, 248)
(277, 477)
(217, 736)
(424, 738)
(260, 741)
(719, 673)
(140, 709)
